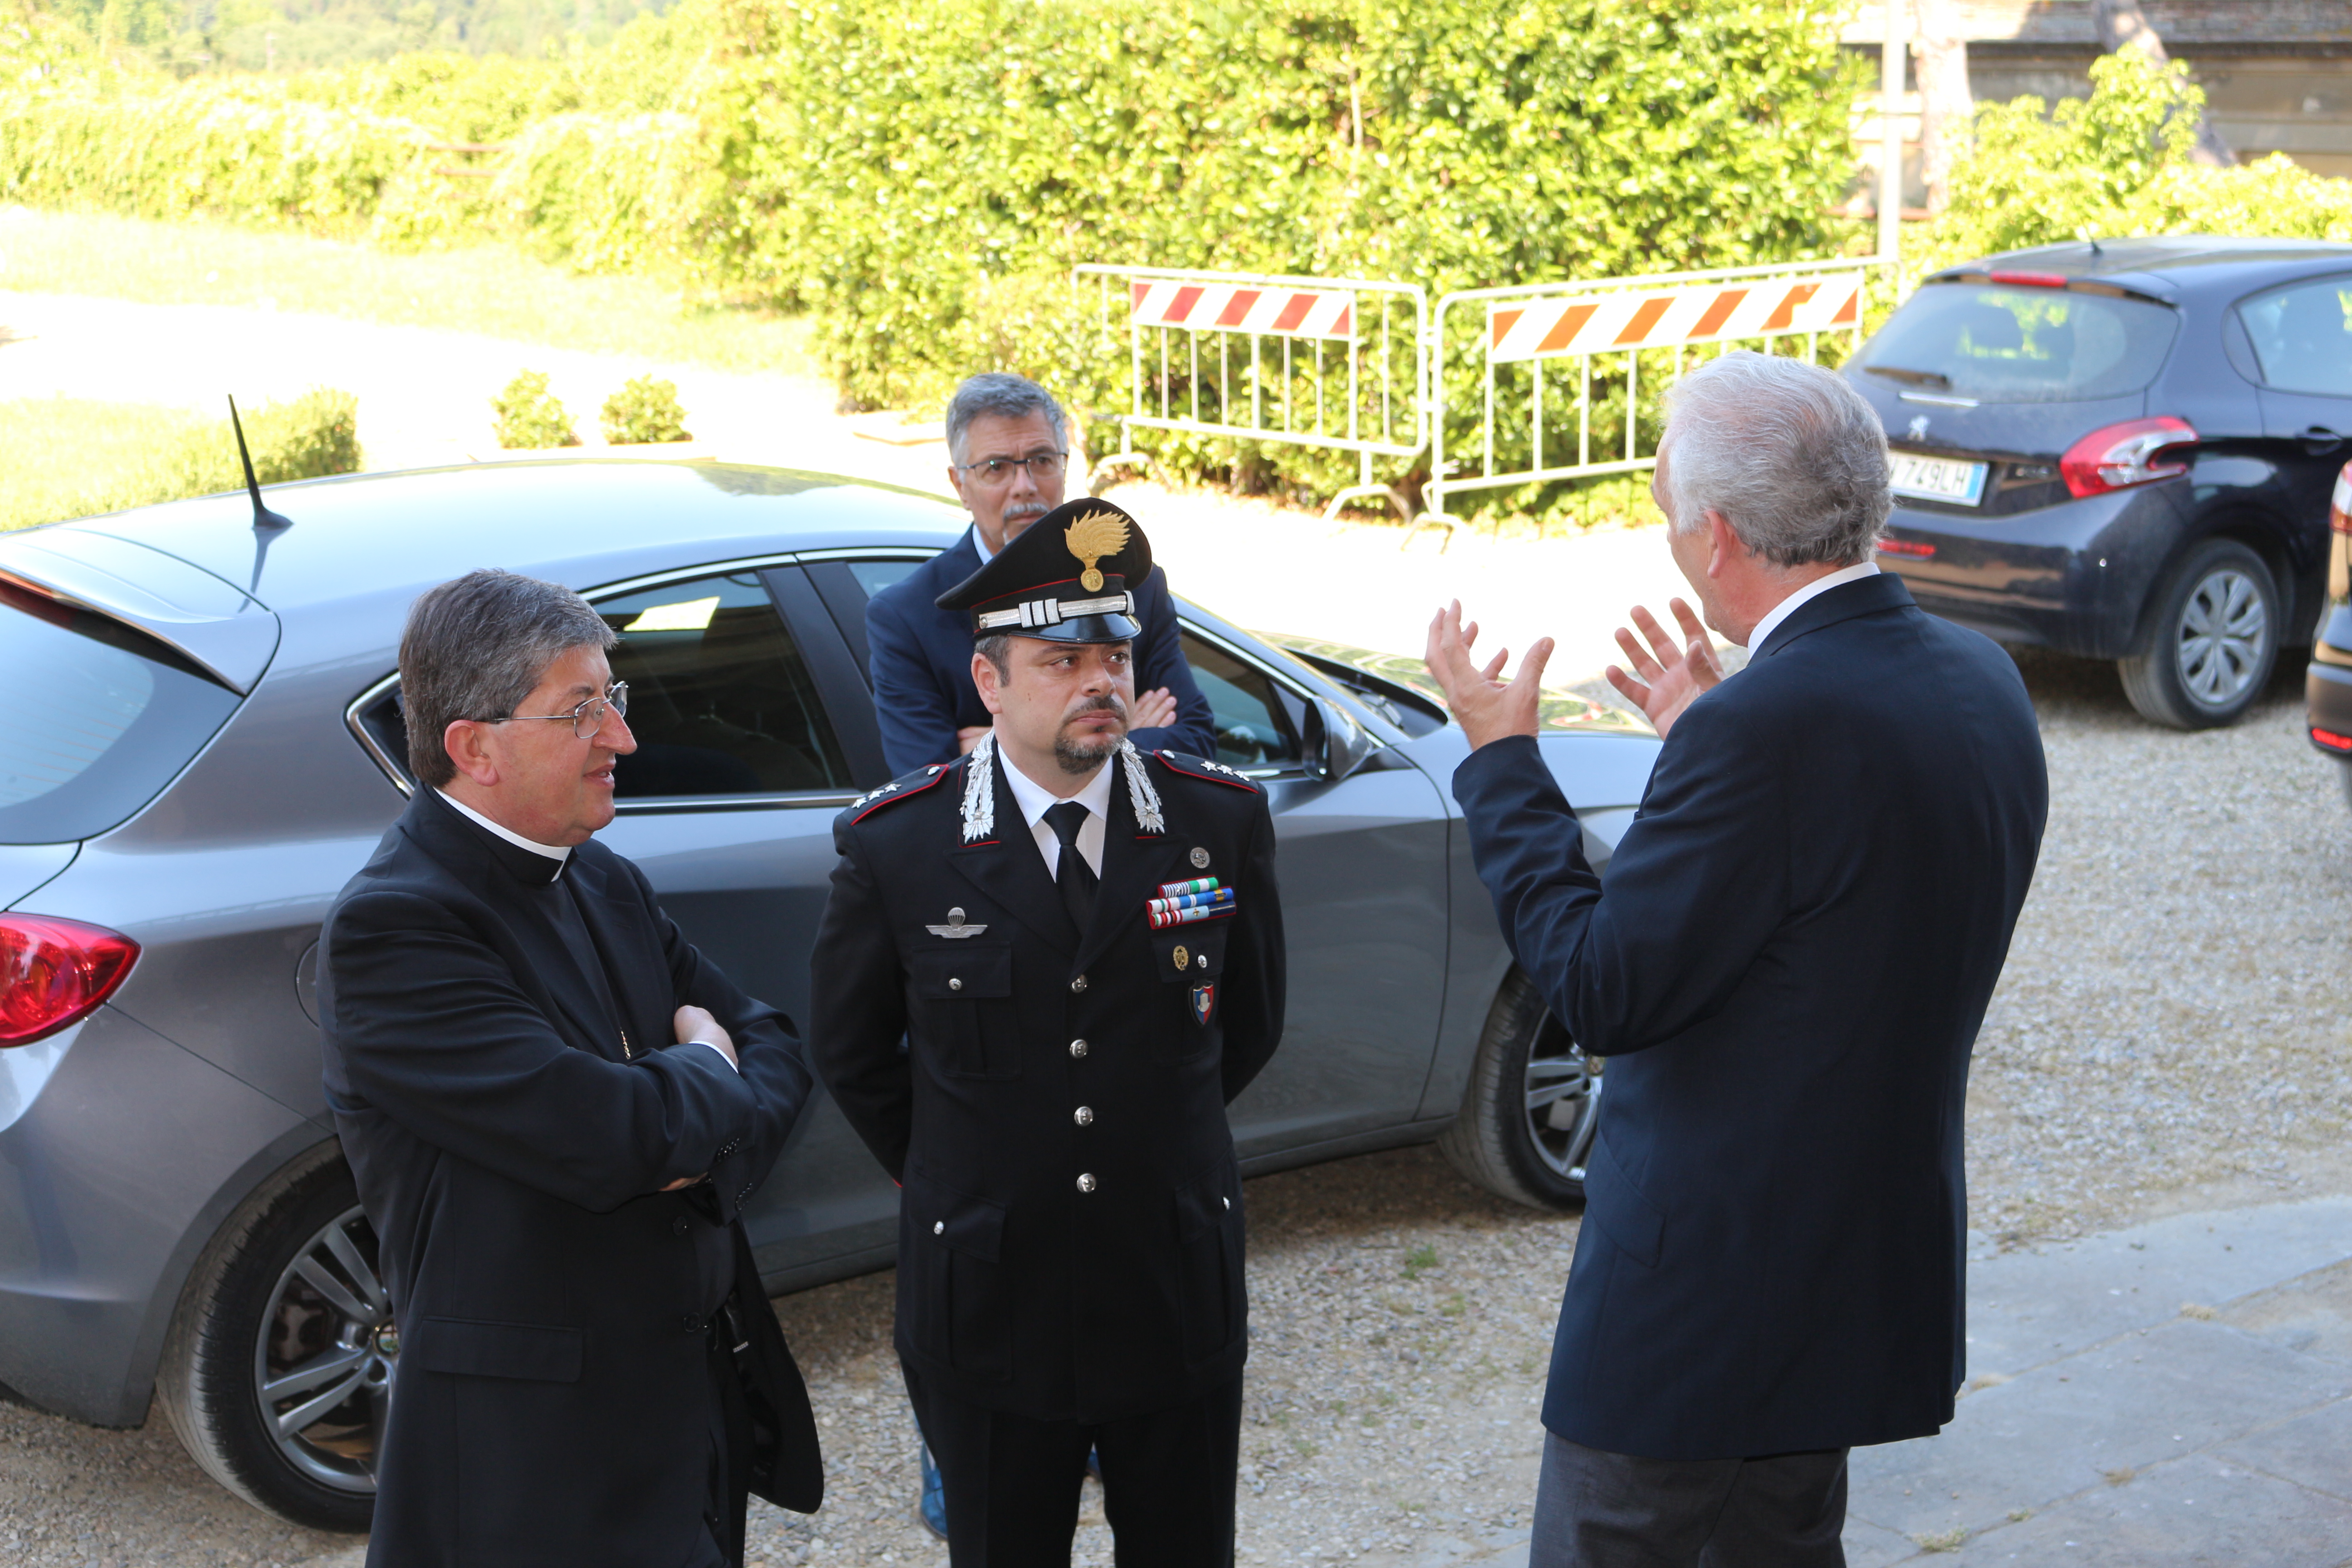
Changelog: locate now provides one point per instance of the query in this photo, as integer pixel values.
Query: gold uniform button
(1086, 1181)
(1083, 1116)
(1078, 1047)
(1079, 983)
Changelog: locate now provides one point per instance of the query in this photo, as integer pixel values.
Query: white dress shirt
(1035, 800)
(559, 852)
(1814, 589)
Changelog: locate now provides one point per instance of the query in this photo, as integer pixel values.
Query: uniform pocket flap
(974, 1226)
(1206, 1200)
(962, 972)
(1624, 1212)
(474, 1349)
(1193, 953)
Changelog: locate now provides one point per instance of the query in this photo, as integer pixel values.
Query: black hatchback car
(2123, 449)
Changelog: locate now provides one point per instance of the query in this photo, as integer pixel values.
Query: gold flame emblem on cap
(1090, 537)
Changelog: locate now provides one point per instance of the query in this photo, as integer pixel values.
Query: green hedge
(69, 458)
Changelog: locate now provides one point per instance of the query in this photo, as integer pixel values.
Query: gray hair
(1789, 454)
(1007, 397)
(997, 649)
(475, 647)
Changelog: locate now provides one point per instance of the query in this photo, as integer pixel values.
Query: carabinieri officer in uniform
(1081, 944)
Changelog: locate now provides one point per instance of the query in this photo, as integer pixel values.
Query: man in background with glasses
(1009, 452)
(555, 1109)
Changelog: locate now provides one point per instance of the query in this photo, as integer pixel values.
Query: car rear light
(2339, 506)
(2331, 740)
(1905, 547)
(2030, 280)
(54, 973)
(2125, 455)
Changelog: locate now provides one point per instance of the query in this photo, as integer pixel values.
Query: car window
(2302, 336)
(876, 575)
(719, 699)
(95, 718)
(1253, 715)
(2000, 344)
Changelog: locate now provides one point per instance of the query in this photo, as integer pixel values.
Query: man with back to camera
(1081, 946)
(1008, 448)
(555, 1109)
(1786, 969)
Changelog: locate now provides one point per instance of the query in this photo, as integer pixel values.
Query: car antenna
(267, 524)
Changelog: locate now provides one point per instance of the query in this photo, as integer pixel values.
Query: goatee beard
(1078, 756)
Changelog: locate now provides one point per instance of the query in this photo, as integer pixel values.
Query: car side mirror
(1337, 745)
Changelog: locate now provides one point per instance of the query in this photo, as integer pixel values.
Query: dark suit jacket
(1017, 1289)
(1786, 969)
(921, 664)
(496, 1068)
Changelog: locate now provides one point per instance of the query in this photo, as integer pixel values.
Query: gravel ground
(2171, 1033)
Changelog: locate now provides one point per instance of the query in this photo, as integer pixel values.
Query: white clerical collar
(556, 852)
(1035, 800)
(1812, 590)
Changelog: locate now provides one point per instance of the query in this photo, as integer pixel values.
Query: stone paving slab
(2312, 1450)
(2197, 1510)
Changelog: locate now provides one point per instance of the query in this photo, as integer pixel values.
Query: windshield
(94, 719)
(1998, 344)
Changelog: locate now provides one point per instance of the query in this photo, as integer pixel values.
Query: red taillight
(1905, 547)
(2339, 506)
(2125, 455)
(2331, 740)
(54, 972)
(2030, 280)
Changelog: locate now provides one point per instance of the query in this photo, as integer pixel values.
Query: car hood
(1560, 710)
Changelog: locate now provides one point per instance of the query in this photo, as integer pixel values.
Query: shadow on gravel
(2088, 691)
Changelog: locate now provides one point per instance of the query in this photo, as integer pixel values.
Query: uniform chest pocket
(961, 1002)
(1190, 962)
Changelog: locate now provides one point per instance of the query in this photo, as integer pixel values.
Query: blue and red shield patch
(1204, 1001)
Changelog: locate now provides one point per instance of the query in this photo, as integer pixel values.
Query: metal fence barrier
(1589, 418)
(1339, 363)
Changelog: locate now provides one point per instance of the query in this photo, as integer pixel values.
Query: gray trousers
(1598, 1510)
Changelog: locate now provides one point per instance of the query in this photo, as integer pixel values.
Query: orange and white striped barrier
(1238, 307)
(1669, 317)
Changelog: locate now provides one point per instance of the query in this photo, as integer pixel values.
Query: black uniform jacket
(496, 1073)
(1786, 969)
(1017, 1289)
(921, 658)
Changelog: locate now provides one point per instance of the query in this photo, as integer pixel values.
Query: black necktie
(1072, 874)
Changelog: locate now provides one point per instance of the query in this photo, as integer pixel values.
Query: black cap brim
(1086, 630)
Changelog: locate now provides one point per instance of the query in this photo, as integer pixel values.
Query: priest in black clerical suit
(555, 1109)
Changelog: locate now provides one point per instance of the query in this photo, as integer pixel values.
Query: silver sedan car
(201, 740)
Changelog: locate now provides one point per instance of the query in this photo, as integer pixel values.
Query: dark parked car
(2327, 684)
(202, 740)
(2123, 449)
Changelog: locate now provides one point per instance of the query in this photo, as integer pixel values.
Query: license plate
(1937, 478)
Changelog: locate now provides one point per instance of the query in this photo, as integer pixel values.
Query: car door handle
(2319, 440)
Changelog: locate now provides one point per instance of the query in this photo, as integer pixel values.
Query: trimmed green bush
(531, 416)
(69, 458)
(2117, 165)
(645, 410)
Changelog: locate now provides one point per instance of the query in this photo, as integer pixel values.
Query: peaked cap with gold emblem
(1065, 578)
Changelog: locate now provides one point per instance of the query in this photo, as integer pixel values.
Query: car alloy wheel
(2224, 636)
(1532, 1106)
(323, 1358)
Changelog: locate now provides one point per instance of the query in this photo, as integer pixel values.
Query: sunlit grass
(70, 456)
(491, 290)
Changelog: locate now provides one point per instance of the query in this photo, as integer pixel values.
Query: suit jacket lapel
(1134, 865)
(1008, 870)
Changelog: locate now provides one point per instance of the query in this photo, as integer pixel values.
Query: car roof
(362, 546)
(2172, 266)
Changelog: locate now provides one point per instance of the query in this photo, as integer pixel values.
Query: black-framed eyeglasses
(1042, 465)
(586, 719)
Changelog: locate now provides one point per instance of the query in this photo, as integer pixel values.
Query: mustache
(1027, 509)
(1108, 702)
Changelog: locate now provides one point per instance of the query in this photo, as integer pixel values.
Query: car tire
(287, 1298)
(2210, 640)
(1529, 1118)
